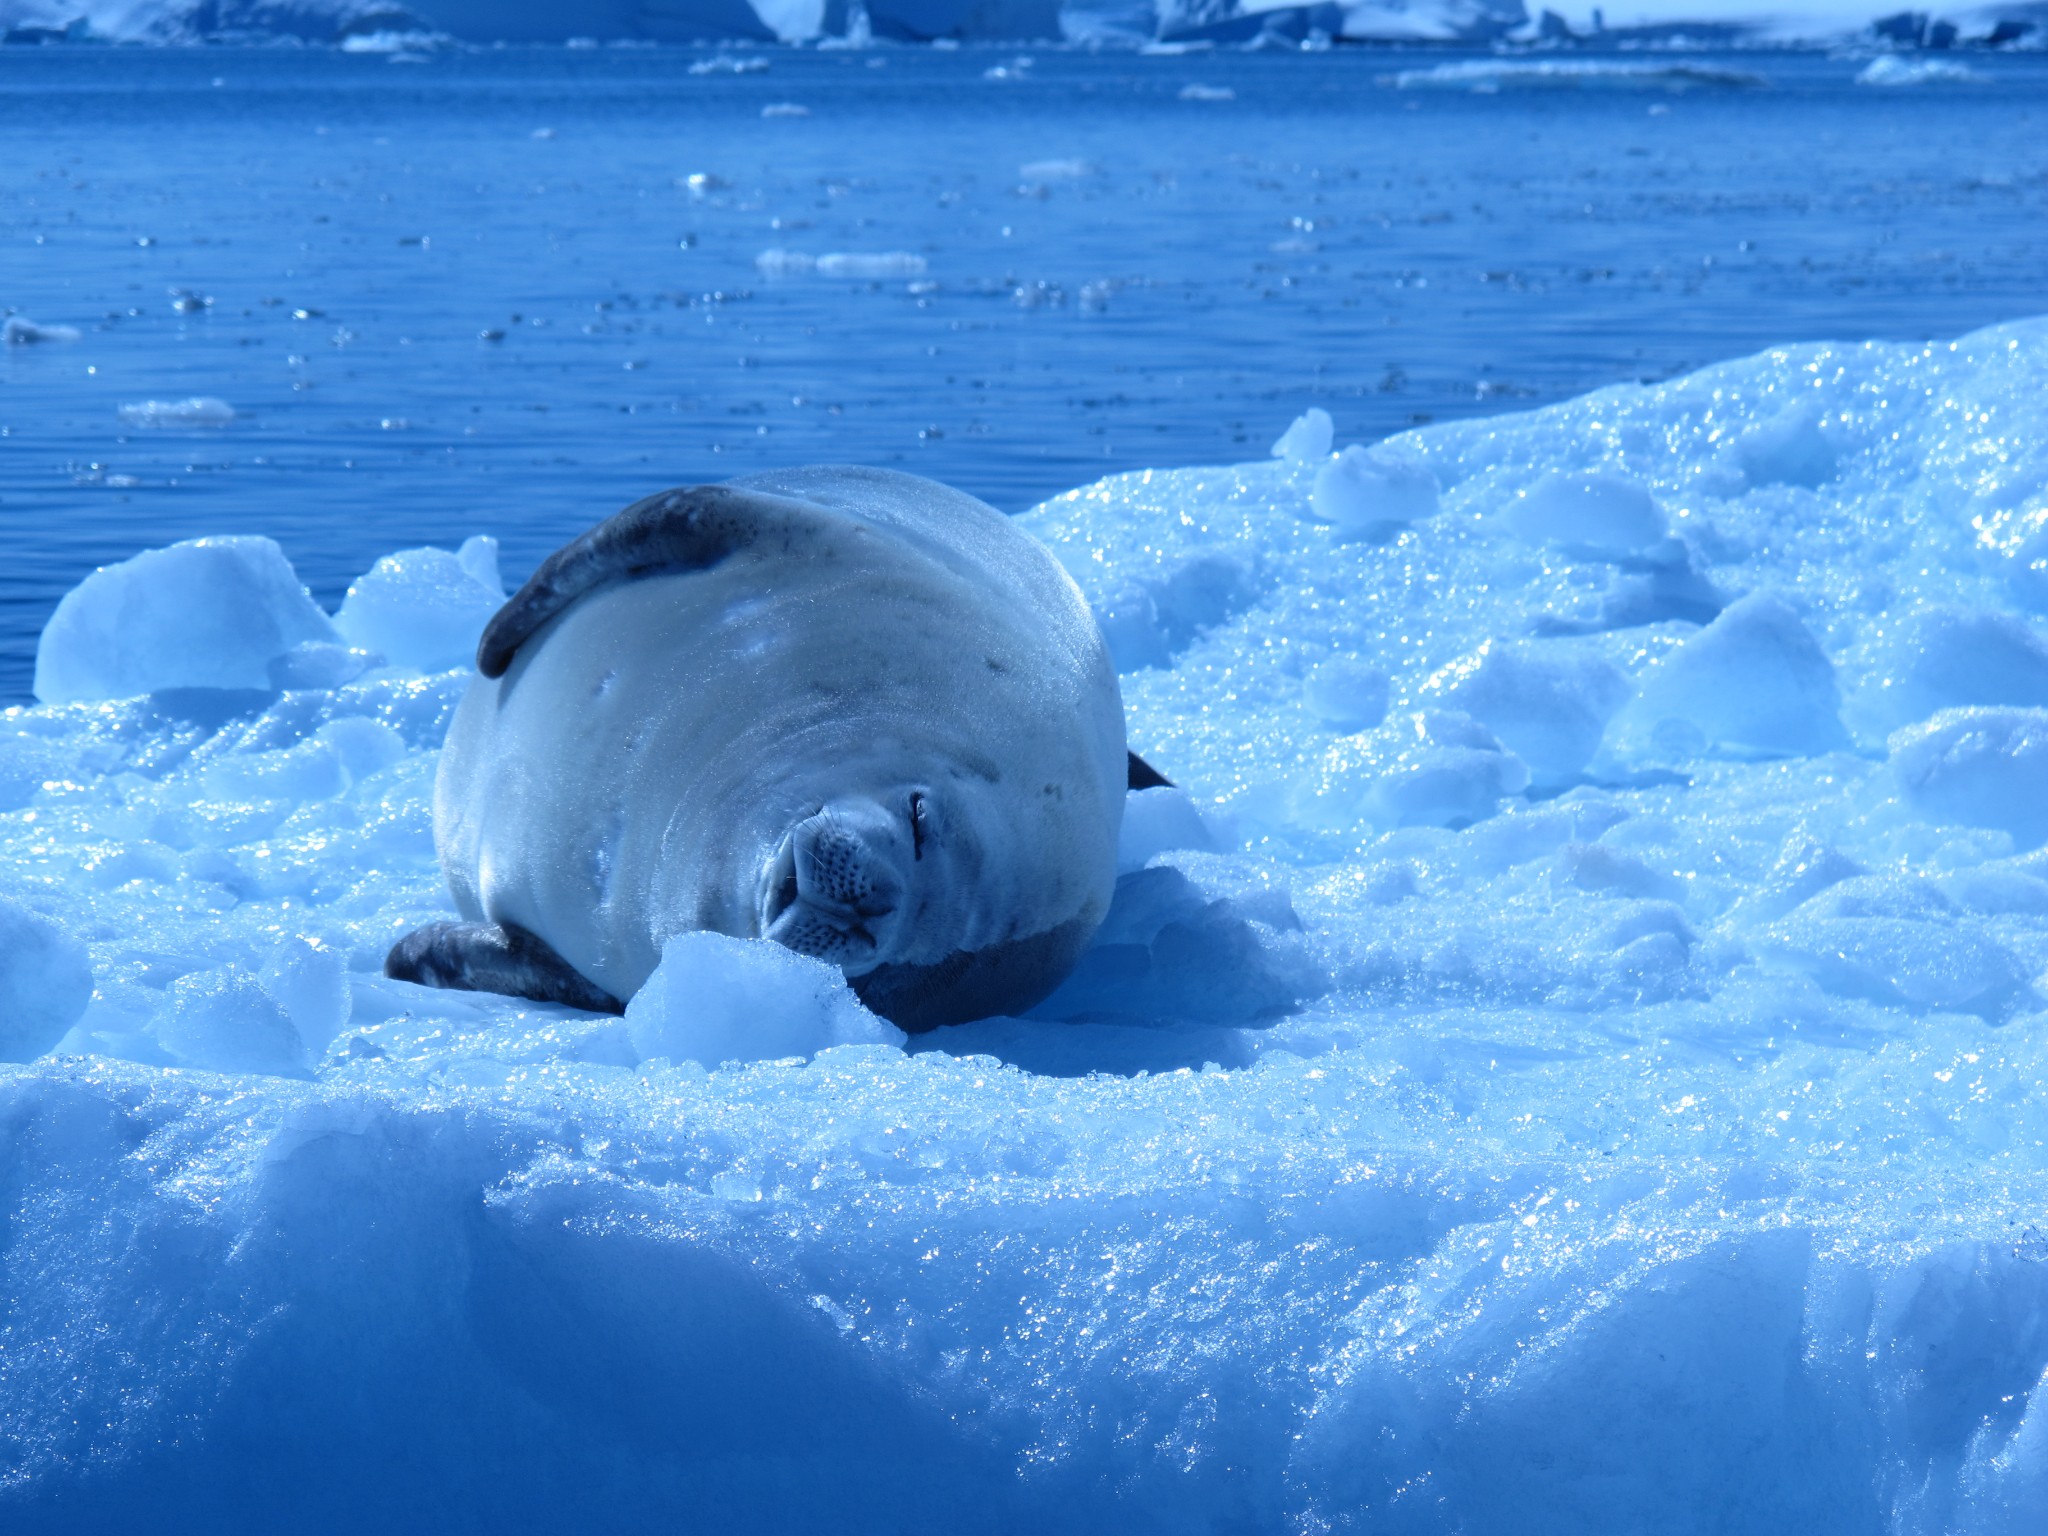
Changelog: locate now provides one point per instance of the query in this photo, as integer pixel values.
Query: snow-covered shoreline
(1572, 1063)
(383, 25)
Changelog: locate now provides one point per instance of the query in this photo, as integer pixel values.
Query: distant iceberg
(1890, 69)
(1133, 22)
(530, 21)
(1393, 21)
(1573, 74)
(1669, 22)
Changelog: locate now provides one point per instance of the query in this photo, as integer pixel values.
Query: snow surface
(1567, 1058)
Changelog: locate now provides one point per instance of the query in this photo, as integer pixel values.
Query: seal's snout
(834, 887)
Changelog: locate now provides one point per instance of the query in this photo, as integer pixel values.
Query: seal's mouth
(833, 888)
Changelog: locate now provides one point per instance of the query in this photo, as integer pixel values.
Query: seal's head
(919, 894)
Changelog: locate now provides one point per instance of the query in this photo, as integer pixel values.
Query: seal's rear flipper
(690, 529)
(487, 957)
(1144, 776)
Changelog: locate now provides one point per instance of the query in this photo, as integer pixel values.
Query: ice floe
(1575, 74)
(858, 265)
(1564, 1056)
(195, 411)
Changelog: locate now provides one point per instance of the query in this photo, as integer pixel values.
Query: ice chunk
(207, 613)
(197, 411)
(1365, 490)
(1649, 942)
(1891, 69)
(1805, 866)
(308, 980)
(715, 999)
(225, 1021)
(394, 42)
(871, 264)
(1149, 622)
(1599, 514)
(1428, 768)
(27, 762)
(1548, 708)
(424, 608)
(857, 265)
(339, 754)
(1200, 92)
(1999, 892)
(306, 770)
(1347, 694)
(1307, 439)
(1900, 941)
(318, 664)
(1597, 867)
(1057, 170)
(1573, 74)
(1159, 820)
(785, 109)
(776, 262)
(363, 746)
(1171, 954)
(20, 331)
(1661, 584)
(1788, 448)
(1944, 657)
(2027, 554)
(45, 981)
(1753, 681)
(1979, 767)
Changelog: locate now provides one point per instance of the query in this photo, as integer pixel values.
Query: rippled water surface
(508, 291)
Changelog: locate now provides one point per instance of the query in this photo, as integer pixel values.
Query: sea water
(429, 293)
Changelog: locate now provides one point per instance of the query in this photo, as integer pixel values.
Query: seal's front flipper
(489, 957)
(1142, 775)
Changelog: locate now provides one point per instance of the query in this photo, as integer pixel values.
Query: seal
(852, 711)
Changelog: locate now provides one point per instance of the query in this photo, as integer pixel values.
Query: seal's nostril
(831, 866)
(841, 868)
